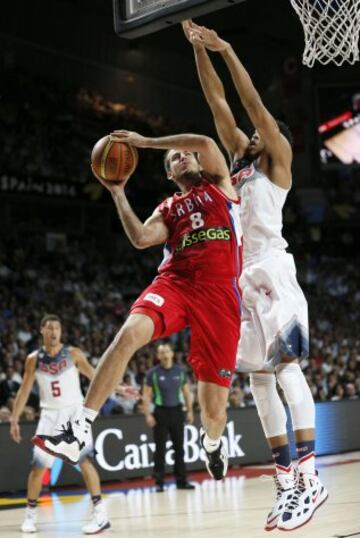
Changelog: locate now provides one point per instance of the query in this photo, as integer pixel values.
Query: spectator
(339, 394)
(5, 414)
(28, 414)
(8, 387)
(350, 392)
(236, 398)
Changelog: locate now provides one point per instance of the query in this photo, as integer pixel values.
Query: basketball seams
(134, 154)
(120, 161)
(114, 163)
(128, 160)
(104, 156)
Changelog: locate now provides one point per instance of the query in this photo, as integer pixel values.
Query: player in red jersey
(197, 286)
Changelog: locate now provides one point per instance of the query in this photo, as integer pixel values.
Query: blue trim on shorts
(237, 293)
(295, 343)
(291, 342)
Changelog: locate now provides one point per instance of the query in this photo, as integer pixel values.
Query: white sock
(211, 445)
(89, 414)
(307, 464)
(100, 507)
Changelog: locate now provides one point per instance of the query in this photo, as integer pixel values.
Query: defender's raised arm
(232, 138)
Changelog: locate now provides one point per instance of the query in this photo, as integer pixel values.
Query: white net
(331, 30)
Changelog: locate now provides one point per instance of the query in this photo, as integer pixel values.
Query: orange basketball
(113, 160)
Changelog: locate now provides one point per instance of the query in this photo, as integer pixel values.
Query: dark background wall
(124, 445)
(73, 41)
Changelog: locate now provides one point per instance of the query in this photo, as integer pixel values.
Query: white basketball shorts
(49, 424)
(274, 314)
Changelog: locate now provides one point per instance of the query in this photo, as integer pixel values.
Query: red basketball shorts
(212, 310)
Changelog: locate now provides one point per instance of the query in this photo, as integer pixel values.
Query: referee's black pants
(169, 420)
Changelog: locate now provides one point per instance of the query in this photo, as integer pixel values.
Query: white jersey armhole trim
(274, 184)
(278, 186)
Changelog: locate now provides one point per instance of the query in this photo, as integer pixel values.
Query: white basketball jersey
(58, 380)
(261, 203)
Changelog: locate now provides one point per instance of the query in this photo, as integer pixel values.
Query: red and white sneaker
(285, 485)
(68, 444)
(308, 496)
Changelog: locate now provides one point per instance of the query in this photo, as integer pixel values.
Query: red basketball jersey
(204, 234)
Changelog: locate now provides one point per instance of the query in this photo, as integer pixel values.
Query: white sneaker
(285, 484)
(99, 522)
(308, 496)
(30, 520)
(69, 443)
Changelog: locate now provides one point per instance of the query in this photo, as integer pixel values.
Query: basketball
(113, 160)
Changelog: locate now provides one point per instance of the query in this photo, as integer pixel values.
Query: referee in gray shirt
(167, 388)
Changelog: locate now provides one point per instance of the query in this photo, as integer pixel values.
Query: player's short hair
(285, 131)
(49, 317)
(165, 343)
(167, 163)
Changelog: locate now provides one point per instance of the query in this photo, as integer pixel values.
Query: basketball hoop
(331, 30)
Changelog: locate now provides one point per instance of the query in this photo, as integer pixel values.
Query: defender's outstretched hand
(202, 36)
(188, 27)
(130, 137)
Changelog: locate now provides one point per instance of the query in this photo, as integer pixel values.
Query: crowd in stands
(91, 290)
(48, 132)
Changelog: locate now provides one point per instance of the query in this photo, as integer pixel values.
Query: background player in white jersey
(56, 368)
(274, 327)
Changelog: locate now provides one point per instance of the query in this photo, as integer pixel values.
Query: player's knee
(38, 471)
(298, 395)
(130, 336)
(262, 386)
(268, 403)
(289, 376)
(85, 464)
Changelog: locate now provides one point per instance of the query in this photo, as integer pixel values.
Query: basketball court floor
(235, 507)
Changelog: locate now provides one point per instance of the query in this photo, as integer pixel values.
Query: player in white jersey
(274, 326)
(56, 368)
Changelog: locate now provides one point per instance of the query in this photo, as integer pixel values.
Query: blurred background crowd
(92, 299)
(91, 287)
